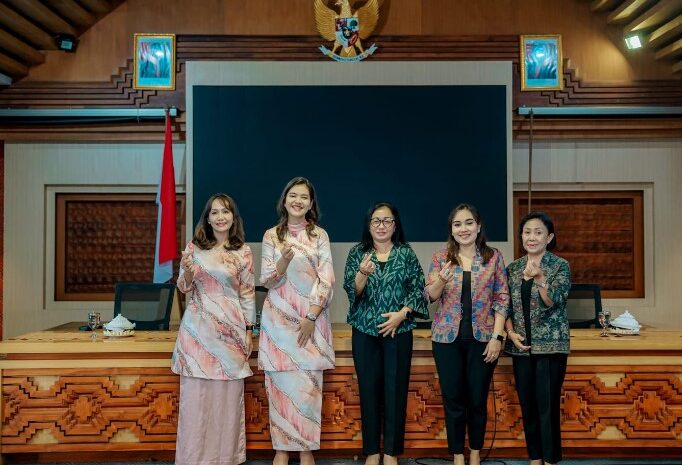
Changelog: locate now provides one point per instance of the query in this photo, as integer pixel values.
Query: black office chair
(583, 305)
(261, 294)
(148, 305)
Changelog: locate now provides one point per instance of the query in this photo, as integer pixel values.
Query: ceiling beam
(677, 67)
(603, 5)
(657, 14)
(625, 11)
(41, 14)
(72, 11)
(666, 33)
(97, 6)
(26, 29)
(670, 51)
(20, 49)
(12, 67)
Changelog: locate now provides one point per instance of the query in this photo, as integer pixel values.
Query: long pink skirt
(210, 422)
(295, 408)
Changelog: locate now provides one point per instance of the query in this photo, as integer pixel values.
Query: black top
(466, 331)
(382, 265)
(526, 287)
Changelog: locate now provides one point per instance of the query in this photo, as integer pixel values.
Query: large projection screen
(423, 135)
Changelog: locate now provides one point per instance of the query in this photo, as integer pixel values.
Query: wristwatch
(542, 285)
(311, 316)
(499, 337)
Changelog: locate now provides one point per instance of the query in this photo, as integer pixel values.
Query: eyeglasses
(387, 222)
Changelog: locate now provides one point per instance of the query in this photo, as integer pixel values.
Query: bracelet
(363, 273)
(542, 285)
(249, 327)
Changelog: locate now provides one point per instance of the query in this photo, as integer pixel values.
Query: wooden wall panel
(611, 410)
(594, 49)
(118, 92)
(600, 233)
(102, 239)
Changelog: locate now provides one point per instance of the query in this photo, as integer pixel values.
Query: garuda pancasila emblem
(347, 28)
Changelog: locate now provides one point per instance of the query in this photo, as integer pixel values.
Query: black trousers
(382, 365)
(464, 384)
(538, 381)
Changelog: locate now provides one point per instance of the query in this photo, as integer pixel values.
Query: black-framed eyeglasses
(387, 222)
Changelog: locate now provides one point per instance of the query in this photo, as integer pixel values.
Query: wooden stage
(66, 397)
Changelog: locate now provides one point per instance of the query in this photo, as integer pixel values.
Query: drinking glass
(604, 321)
(94, 321)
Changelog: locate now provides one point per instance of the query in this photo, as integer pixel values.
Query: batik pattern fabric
(308, 280)
(295, 409)
(549, 325)
(211, 341)
(400, 283)
(489, 295)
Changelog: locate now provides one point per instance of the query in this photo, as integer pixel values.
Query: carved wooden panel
(102, 239)
(118, 93)
(128, 409)
(600, 233)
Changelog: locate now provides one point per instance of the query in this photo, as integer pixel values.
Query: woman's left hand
(492, 350)
(390, 326)
(305, 331)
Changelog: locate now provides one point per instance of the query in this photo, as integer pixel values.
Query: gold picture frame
(154, 58)
(542, 66)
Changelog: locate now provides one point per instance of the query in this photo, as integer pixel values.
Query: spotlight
(633, 42)
(66, 42)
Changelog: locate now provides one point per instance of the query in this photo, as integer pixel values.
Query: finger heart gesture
(447, 272)
(187, 261)
(367, 266)
(287, 251)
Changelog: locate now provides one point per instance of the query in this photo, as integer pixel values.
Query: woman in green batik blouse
(385, 286)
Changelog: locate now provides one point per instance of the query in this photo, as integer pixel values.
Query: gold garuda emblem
(347, 29)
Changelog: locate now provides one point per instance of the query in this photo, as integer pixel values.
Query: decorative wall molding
(601, 234)
(118, 93)
(105, 238)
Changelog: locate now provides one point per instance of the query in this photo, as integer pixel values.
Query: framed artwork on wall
(541, 62)
(154, 56)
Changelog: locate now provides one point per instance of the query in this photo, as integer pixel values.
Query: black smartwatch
(499, 337)
(249, 327)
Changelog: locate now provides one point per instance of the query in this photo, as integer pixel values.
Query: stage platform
(66, 397)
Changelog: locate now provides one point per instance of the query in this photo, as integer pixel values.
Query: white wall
(655, 167)
(32, 171)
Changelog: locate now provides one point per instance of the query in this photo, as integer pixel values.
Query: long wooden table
(66, 396)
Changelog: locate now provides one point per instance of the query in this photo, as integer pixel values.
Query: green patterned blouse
(400, 283)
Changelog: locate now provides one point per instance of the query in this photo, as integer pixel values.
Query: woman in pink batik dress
(295, 344)
(214, 340)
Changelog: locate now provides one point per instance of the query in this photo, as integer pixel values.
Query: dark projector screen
(423, 148)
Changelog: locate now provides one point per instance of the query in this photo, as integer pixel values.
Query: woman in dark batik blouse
(538, 336)
(385, 286)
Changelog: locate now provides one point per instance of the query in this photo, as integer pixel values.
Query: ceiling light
(633, 42)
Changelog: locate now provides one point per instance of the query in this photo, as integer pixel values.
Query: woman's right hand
(367, 266)
(187, 262)
(446, 273)
(517, 339)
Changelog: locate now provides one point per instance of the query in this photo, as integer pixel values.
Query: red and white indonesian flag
(166, 249)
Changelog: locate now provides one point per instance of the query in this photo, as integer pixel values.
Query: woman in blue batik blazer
(538, 336)
(469, 282)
